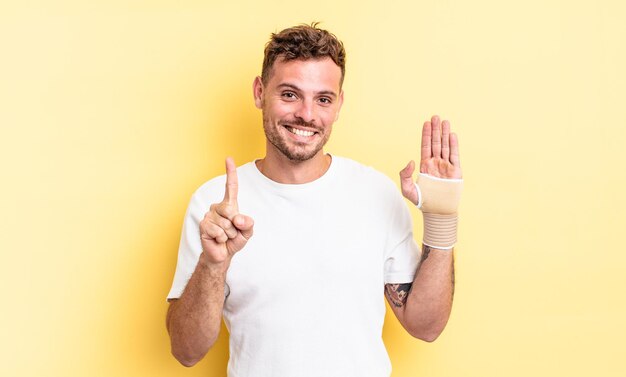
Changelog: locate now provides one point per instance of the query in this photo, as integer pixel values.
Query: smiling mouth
(299, 132)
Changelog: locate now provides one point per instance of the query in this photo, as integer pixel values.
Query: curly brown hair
(303, 42)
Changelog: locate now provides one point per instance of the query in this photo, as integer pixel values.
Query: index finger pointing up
(232, 184)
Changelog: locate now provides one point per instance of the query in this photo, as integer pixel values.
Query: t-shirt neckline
(327, 176)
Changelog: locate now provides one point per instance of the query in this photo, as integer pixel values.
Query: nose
(305, 111)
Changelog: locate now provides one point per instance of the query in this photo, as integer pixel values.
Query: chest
(312, 247)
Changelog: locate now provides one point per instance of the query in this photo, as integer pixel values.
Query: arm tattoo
(398, 293)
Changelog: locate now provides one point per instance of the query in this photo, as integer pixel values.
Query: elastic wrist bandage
(438, 199)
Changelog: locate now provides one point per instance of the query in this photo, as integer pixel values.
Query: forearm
(429, 302)
(194, 320)
(424, 312)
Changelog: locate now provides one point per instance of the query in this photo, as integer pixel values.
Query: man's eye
(325, 100)
(289, 95)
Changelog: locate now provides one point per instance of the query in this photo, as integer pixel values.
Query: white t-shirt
(306, 292)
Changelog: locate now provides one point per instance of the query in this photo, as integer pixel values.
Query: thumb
(407, 172)
(406, 182)
(244, 224)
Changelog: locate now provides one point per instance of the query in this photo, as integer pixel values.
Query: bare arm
(193, 321)
(423, 306)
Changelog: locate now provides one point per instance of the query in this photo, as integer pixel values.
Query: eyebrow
(296, 88)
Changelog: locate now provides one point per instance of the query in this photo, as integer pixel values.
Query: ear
(257, 91)
(339, 105)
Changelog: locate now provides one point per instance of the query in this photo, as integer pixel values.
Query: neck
(283, 170)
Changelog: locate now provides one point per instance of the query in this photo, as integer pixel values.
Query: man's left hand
(440, 157)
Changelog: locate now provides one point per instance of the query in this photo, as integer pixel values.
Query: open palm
(440, 157)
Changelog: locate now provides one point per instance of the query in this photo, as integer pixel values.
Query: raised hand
(440, 157)
(224, 231)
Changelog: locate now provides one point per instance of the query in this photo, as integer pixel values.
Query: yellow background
(113, 112)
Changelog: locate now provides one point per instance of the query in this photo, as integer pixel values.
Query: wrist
(438, 199)
(214, 269)
(440, 231)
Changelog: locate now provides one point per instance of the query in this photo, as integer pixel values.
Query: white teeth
(300, 132)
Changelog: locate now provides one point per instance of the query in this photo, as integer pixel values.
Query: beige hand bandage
(438, 199)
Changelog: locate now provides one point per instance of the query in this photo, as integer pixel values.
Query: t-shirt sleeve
(190, 247)
(402, 252)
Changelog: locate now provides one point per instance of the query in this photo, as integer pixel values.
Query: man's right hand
(224, 231)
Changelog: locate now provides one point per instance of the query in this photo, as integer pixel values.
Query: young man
(302, 296)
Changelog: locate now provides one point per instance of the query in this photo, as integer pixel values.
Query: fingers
(426, 139)
(454, 150)
(211, 231)
(245, 225)
(220, 229)
(436, 136)
(220, 216)
(437, 140)
(228, 227)
(445, 140)
(232, 183)
(223, 209)
(223, 227)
